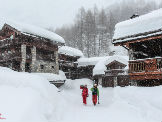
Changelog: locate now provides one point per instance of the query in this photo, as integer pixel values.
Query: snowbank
(52, 77)
(145, 23)
(34, 30)
(142, 104)
(30, 98)
(26, 97)
(70, 51)
(100, 67)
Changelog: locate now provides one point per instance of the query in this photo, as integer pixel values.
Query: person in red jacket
(84, 93)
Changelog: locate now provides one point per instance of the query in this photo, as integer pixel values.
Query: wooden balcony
(144, 69)
(116, 72)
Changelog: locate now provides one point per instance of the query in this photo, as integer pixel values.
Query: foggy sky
(46, 13)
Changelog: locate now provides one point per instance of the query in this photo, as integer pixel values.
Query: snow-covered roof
(118, 50)
(139, 25)
(89, 61)
(70, 51)
(34, 30)
(100, 67)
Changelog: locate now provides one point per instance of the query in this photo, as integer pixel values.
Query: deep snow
(145, 23)
(127, 104)
(66, 50)
(30, 98)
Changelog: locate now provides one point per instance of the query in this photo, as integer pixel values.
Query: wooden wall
(109, 81)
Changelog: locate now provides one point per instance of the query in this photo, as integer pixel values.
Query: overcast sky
(54, 13)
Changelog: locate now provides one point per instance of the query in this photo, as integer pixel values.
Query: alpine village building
(27, 48)
(142, 37)
(112, 71)
(68, 57)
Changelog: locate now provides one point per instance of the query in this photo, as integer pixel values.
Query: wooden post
(56, 62)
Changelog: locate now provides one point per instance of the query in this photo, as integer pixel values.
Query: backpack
(85, 91)
(94, 91)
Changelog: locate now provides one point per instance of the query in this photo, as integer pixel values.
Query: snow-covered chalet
(112, 71)
(142, 36)
(28, 48)
(68, 57)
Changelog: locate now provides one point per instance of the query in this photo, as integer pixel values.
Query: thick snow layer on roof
(34, 30)
(145, 23)
(118, 50)
(138, 37)
(52, 77)
(89, 61)
(70, 51)
(100, 67)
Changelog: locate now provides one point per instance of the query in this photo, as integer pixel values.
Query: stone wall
(48, 67)
(39, 65)
(23, 56)
(44, 66)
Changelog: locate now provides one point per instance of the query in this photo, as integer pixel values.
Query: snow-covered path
(79, 112)
(114, 106)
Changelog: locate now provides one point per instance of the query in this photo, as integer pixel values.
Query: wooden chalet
(142, 36)
(86, 65)
(68, 57)
(27, 48)
(112, 71)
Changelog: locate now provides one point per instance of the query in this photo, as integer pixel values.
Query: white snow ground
(30, 98)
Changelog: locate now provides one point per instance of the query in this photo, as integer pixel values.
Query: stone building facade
(27, 52)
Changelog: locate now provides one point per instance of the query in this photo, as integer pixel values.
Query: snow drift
(26, 97)
(30, 98)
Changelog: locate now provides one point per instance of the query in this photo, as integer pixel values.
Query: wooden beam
(138, 40)
(145, 75)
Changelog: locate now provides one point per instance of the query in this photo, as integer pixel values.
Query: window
(42, 66)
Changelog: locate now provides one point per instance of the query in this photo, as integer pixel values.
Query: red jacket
(85, 92)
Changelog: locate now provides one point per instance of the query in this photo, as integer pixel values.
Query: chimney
(134, 16)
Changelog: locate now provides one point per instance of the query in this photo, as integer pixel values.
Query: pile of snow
(27, 97)
(34, 30)
(145, 23)
(52, 77)
(89, 61)
(142, 104)
(70, 51)
(100, 67)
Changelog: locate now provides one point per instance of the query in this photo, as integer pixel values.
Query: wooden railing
(115, 72)
(145, 65)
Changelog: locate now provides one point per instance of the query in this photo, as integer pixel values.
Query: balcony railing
(145, 65)
(115, 72)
